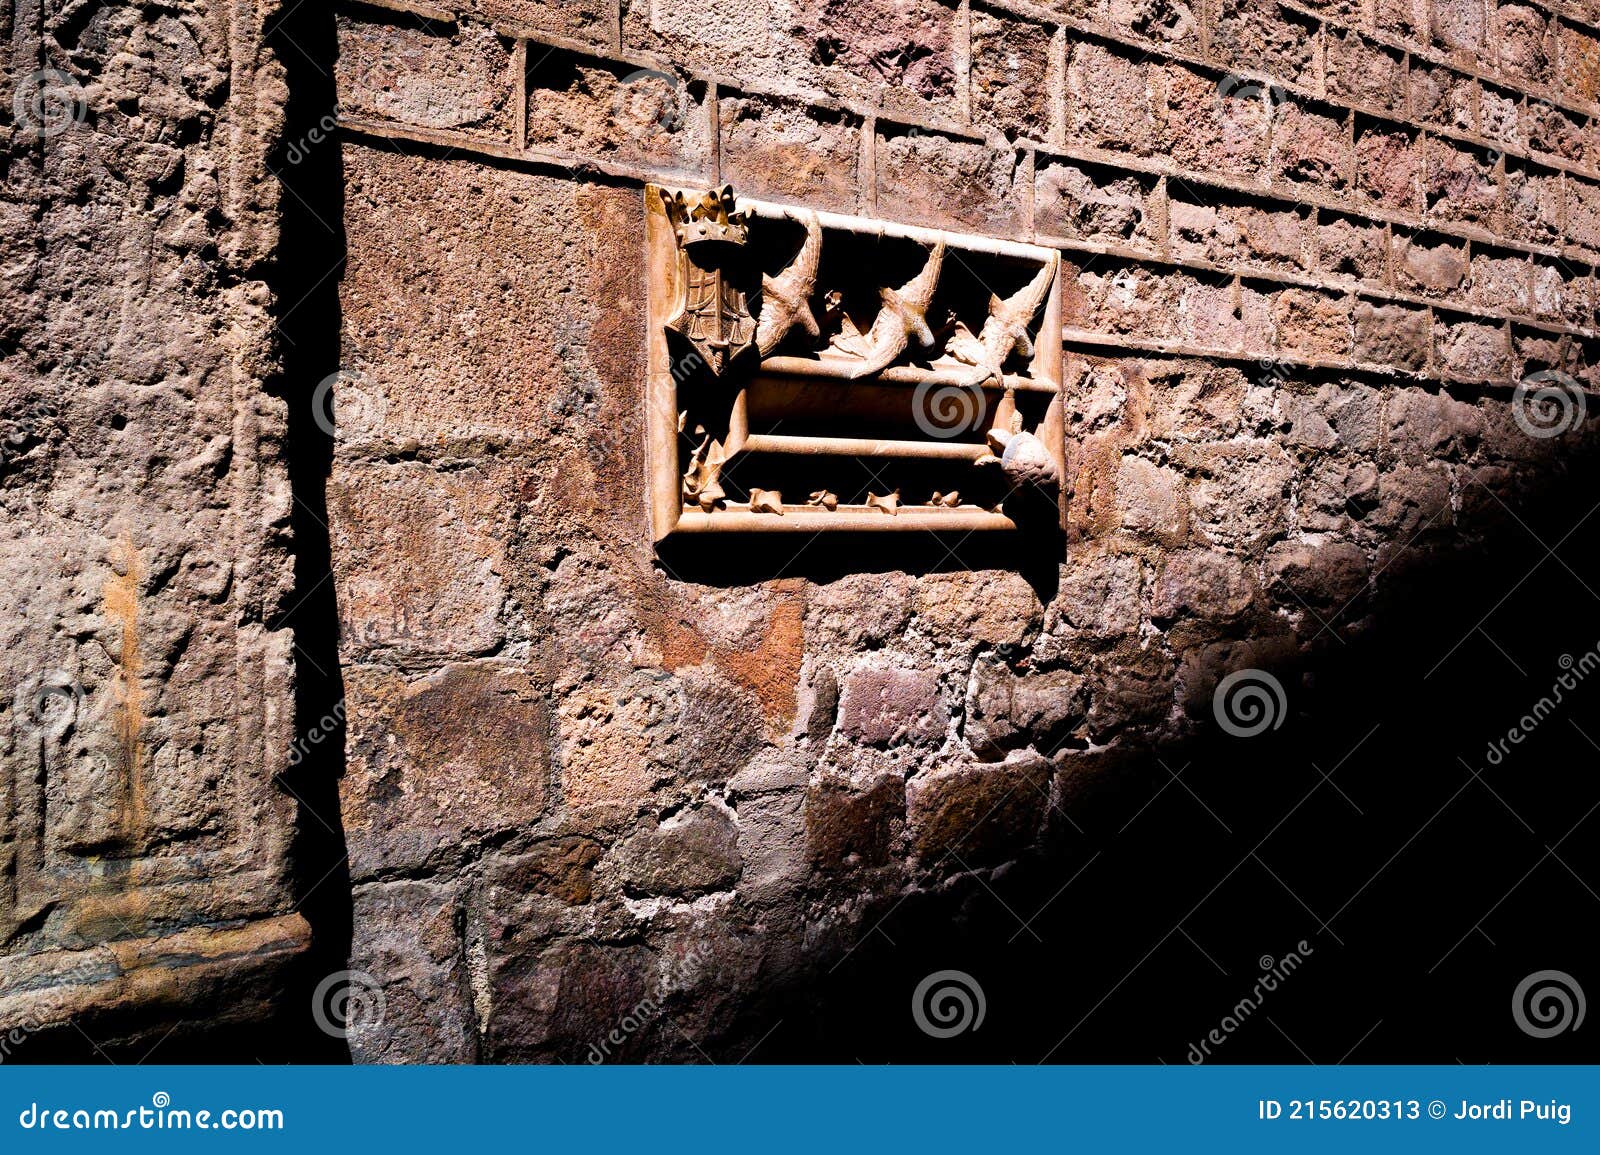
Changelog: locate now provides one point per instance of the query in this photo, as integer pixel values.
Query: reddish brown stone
(889, 705)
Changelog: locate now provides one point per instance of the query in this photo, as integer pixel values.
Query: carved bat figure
(904, 313)
(1006, 329)
(785, 299)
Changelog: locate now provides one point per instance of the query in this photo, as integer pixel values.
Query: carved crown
(708, 216)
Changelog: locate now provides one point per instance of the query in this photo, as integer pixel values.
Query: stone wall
(145, 886)
(602, 780)
(599, 803)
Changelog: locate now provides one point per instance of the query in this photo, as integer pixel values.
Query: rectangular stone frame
(668, 514)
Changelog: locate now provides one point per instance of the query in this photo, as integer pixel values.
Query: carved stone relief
(811, 371)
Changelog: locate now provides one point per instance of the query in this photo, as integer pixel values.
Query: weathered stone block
(1260, 35)
(1013, 73)
(929, 178)
(1441, 96)
(1501, 282)
(1311, 148)
(590, 20)
(1312, 324)
(1239, 491)
(420, 554)
(1534, 205)
(996, 607)
(1109, 100)
(1206, 583)
(1429, 266)
(1364, 73)
(1090, 203)
(1393, 335)
(1215, 126)
(436, 765)
(1008, 711)
(1426, 427)
(693, 852)
(1151, 500)
(1460, 184)
(977, 815)
(439, 346)
(406, 939)
(1459, 25)
(882, 705)
(849, 825)
(1580, 62)
(786, 149)
(1473, 349)
(393, 67)
(591, 106)
(1524, 45)
(1389, 167)
(1353, 247)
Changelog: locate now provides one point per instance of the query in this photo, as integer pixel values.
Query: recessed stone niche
(811, 372)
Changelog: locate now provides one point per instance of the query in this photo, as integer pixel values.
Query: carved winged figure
(903, 314)
(1005, 330)
(785, 299)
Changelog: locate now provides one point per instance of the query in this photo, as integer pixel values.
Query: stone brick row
(583, 104)
(1147, 307)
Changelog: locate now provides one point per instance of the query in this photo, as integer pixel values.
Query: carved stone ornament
(888, 377)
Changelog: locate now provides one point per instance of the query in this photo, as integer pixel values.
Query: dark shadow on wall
(1426, 876)
(306, 282)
